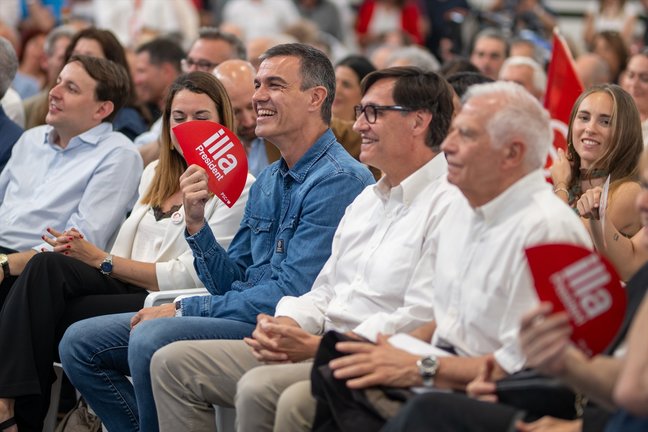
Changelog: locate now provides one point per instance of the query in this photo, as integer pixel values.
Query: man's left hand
(369, 365)
(162, 311)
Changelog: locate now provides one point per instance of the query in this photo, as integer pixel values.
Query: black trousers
(452, 412)
(52, 292)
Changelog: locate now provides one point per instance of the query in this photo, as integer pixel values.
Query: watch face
(106, 267)
(429, 365)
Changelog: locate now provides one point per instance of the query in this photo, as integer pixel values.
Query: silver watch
(428, 367)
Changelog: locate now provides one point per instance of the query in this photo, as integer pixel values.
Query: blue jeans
(98, 354)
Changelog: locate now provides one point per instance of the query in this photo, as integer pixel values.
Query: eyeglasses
(201, 65)
(371, 111)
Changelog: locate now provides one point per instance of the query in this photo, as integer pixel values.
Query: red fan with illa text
(216, 149)
(586, 286)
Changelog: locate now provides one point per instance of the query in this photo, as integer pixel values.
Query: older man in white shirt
(376, 280)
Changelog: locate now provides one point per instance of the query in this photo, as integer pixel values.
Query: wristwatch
(106, 265)
(428, 367)
(4, 262)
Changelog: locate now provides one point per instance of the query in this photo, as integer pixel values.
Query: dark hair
(112, 50)
(316, 70)
(492, 33)
(419, 90)
(462, 80)
(457, 65)
(618, 46)
(212, 33)
(111, 79)
(171, 163)
(621, 156)
(360, 65)
(163, 50)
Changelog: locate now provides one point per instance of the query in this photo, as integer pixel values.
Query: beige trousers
(188, 377)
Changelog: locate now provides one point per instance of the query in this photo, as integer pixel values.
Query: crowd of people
(372, 275)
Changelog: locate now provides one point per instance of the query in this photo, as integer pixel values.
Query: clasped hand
(72, 243)
(281, 340)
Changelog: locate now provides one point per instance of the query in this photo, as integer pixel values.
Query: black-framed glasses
(371, 111)
(201, 65)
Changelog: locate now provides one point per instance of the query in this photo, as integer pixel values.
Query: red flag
(586, 286)
(563, 88)
(216, 149)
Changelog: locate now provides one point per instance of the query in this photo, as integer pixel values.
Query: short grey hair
(415, 56)
(8, 65)
(56, 34)
(212, 33)
(539, 75)
(520, 116)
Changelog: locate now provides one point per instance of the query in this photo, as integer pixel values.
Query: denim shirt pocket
(282, 242)
(261, 234)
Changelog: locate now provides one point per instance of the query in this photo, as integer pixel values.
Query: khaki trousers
(188, 377)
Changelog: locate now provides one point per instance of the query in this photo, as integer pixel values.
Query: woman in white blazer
(78, 280)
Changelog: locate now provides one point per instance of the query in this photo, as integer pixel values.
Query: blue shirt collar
(312, 155)
(91, 136)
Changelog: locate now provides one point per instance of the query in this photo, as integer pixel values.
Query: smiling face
(280, 104)
(188, 106)
(473, 160)
(347, 93)
(383, 142)
(591, 128)
(73, 107)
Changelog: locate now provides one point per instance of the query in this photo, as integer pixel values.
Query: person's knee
(252, 386)
(295, 408)
(165, 363)
(146, 338)
(70, 345)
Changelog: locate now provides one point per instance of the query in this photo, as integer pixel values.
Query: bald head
(238, 78)
(592, 70)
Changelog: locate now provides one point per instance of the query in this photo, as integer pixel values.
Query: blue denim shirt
(284, 238)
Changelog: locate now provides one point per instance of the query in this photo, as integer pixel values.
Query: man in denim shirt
(284, 240)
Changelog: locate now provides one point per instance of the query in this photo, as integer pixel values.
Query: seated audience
(604, 139)
(79, 280)
(376, 280)
(73, 172)
(284, 239)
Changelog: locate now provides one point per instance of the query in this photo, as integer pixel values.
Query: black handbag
(539, 395)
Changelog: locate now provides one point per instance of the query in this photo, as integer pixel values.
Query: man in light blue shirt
(73, 172)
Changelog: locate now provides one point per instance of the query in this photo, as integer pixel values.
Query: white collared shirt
(376, 280)
(483, 284)
(91, 185)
